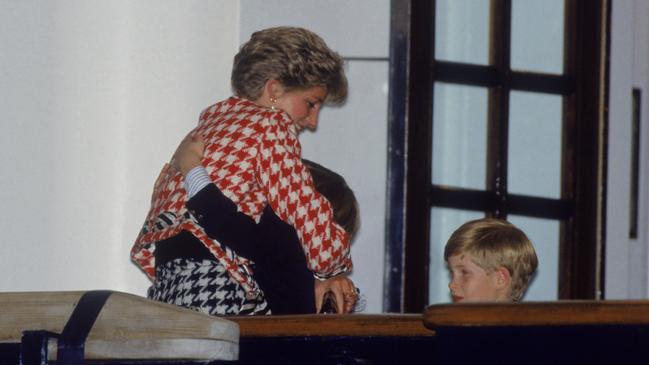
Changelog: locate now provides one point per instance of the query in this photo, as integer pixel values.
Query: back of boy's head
(493, 243)
(334, 187)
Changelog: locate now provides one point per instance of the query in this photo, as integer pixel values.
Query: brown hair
(333, 187)
(298, 58)
(494, 243)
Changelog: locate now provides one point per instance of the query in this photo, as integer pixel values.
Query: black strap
(75, 332)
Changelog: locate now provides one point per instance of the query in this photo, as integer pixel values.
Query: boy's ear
(503, 278)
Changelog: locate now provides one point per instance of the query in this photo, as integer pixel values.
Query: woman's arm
(289, 189)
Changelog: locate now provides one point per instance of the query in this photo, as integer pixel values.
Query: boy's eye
(311, 104)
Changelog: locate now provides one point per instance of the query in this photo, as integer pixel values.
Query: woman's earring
(273, 107)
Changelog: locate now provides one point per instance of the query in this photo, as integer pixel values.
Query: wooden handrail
(333, 325)
(537, 313)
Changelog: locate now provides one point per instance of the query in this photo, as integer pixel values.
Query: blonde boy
(489, 260)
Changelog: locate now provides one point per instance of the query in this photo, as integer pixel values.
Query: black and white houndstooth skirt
(205, 286)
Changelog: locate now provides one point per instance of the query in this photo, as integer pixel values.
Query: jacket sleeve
(289, 189)
(221, 220)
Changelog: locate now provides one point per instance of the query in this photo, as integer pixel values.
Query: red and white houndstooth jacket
(253, 155)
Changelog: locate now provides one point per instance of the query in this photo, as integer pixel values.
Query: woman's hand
(343, 289)
(188, 154)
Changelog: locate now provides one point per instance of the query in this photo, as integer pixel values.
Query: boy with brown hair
(489, 260)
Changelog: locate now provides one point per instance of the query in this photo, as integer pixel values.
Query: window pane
(459, 136)
(537, 36)
(443, 222)
(544, 234)
(462, 31)
(535, 144)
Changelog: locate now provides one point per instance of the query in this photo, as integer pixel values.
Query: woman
(280, 267)
(281, 78)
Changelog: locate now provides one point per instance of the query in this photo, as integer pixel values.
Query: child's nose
(452, 285)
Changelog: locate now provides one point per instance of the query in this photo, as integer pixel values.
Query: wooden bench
(128, 327)
(562, 332)
(134, 328)
(350, 325)
(334, 339)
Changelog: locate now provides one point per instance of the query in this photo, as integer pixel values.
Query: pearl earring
(273, 107)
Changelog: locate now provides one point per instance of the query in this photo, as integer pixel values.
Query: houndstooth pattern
(252, 154)
(204, 286)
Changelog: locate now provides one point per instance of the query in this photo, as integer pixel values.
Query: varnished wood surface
(555, 313)
(128, 326)
(333, 325)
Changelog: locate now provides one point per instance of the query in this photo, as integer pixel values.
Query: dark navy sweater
(273, 245)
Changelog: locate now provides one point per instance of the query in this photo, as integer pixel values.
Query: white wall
(94, 96)
(626, 259)
(351, 140)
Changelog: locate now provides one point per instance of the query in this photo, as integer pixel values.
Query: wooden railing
(534, 332)
(333, 325)
(563, 332)
(566, 313)
(334, 339)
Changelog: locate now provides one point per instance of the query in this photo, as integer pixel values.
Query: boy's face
(471, 283)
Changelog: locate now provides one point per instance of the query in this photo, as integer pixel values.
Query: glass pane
(537, 36)
(544, 234)
(459, 136)
(462, 31)
(443, 222)
(535, 144)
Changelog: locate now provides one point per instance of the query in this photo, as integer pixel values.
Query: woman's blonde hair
(298, 58)
(494, 243)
